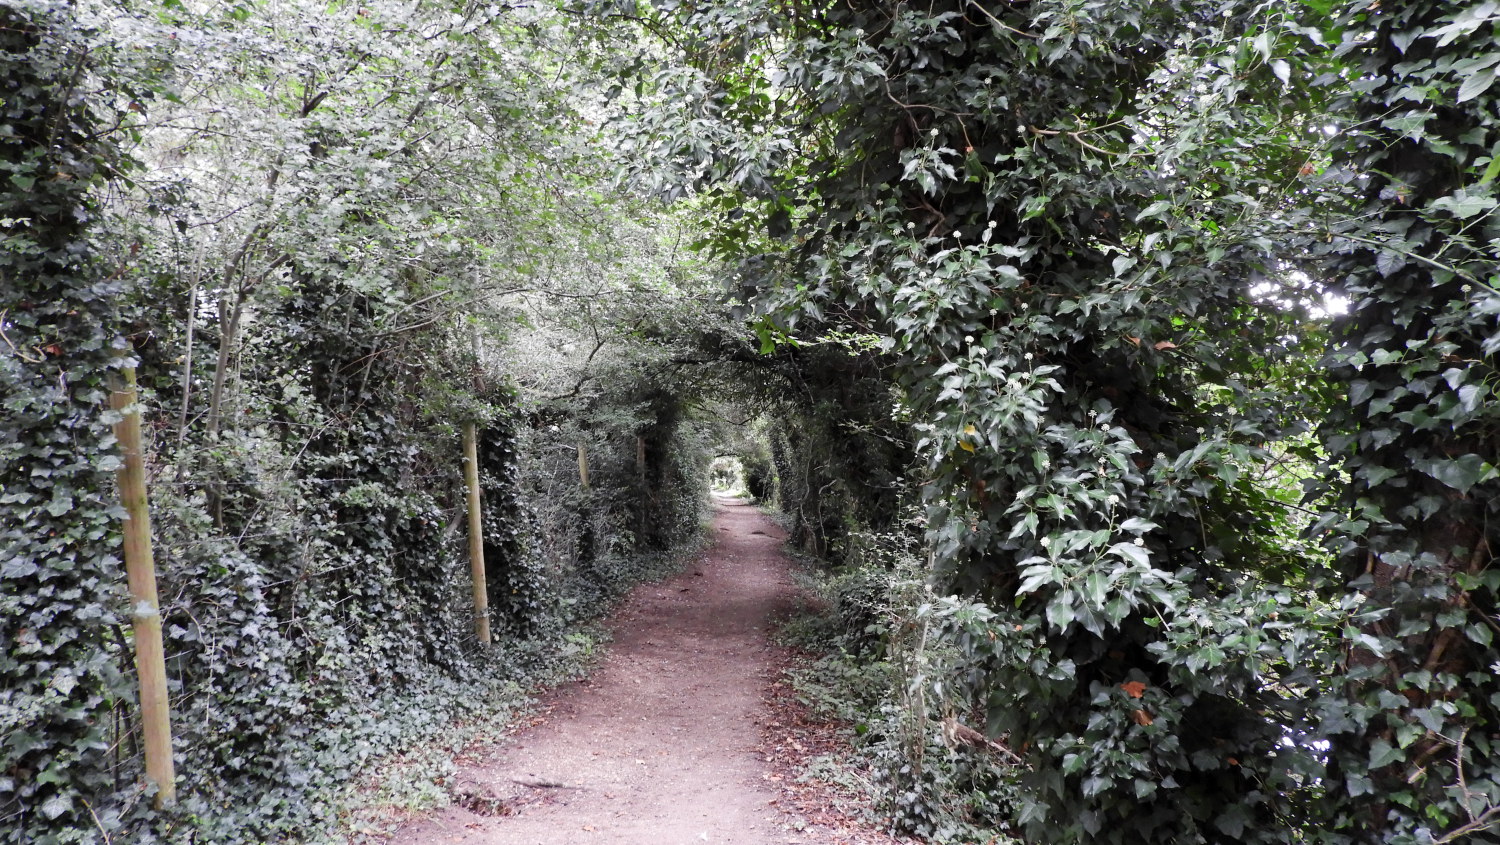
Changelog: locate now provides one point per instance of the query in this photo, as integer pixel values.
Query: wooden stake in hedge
(476, 535)
(140, 570)
(583, 467)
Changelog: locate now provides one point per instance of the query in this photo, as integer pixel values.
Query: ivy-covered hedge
(1414, 442)
(62, 660)
(303, 384)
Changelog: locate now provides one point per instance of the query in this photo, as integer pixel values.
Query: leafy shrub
(889, 674)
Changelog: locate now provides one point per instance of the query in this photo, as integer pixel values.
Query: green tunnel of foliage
(1154, 340)
(1226, 558)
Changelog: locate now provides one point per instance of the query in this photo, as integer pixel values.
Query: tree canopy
(1155, 339)
(1193, 309)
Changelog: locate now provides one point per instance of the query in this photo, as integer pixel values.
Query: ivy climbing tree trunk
(476, 535)
(643, 487)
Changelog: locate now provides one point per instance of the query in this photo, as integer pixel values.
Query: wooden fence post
(583, 467)
(476, 535)
(140, 571)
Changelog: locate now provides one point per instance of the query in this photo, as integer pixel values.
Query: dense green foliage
(1094, 241)
(59, 663)
(1133, 361)
(1417, 432)
(344, 233)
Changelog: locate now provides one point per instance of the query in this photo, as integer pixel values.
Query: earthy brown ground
(685, 734)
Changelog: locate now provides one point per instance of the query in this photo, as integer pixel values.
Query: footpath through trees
(660, 744)
(1132, 367)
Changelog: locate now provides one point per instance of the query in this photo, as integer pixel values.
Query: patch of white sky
(1299, 290)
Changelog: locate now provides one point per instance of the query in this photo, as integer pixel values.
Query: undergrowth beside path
(870, 725)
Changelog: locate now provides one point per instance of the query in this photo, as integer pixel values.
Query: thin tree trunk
(640, 474)
(476, 535)
(187, 373)
(229, 324)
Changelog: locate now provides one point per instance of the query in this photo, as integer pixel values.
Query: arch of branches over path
(1187, 313)
(1157, 339)
(328, 242)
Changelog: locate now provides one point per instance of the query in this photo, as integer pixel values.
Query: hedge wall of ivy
(1416, 723)
(62, 662)
(302, 412)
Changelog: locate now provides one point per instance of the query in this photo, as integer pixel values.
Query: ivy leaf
(1481, 634)
(56, 805)
(1387, 262)
(1463, 206)
(1476, 84)
(1358, 784)
(1470, 396)
(18, 567)
(1382, 754)
(1233, 820)
(60, 504)
(1460, 473)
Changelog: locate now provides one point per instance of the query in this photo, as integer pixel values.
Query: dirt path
(662, 744)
